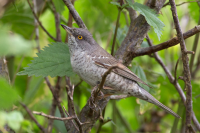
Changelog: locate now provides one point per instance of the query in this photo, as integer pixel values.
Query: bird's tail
(144, 95)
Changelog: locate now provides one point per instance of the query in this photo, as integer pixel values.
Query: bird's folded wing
(110, 61)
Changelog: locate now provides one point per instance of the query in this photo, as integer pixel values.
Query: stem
(196, 40)
(116, 28)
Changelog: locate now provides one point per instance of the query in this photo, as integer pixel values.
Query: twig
(180, 3)
(57, 22)
(172, 42)
(71, 120)
(40, 22)
(186, 68)
(72, 112)
(175, 77)
(196, 40)
(75, 14)
(52, 117)
(33, 118)
(116, 28)
(176, 85)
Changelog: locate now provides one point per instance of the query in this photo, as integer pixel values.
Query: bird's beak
(68, 29)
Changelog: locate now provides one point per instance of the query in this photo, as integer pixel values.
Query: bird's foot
(96, 94)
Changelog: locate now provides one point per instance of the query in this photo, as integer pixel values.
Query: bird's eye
(80, 37)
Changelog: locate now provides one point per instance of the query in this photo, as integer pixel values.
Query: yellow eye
(80, 37)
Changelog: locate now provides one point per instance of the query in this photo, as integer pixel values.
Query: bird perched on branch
(90, 61)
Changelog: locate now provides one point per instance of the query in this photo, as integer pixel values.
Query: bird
(90, 61)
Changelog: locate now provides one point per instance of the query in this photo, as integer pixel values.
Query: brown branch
(136, 34)
(180, 3)
(33, 118)
(172, 42)
(40, 22)
(72, 112)
(186, 68)
(57, 21)
(75, 14)
(196, 40)
(132, 13)
(176, 85)
(52, 117)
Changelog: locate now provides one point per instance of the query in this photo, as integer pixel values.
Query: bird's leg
(95, 94)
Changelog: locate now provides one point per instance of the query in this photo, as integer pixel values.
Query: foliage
(17, 36)
(53, 61)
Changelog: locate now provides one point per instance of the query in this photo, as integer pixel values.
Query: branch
(172, 42)
(180, 3)
(176, 84)
(75, 14)
(52, 117)
(33, 118)
(187, 75)
(136, 34)
(40, 22)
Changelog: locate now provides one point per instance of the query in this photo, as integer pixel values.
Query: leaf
(8, 95)
(60, 6)
(13, 44)
(53, 60)
(150, 16)
(115, 3)
(14, 119)
(20, 18)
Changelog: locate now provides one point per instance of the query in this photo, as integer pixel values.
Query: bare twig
(72, 112)
(71, 120)
(52, 117)
(116, 28)
(196, 40)
(186, 68)
(180, 3)
(33, 118)
(175, 80)
(40, 22)
(57, 22)
(172, 42)
(75, 14)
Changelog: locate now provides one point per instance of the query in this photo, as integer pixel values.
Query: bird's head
(79, 39)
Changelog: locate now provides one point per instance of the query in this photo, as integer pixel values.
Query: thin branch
(180, 3)
(52, 117)
(33, 118)
(72, 112)
(175, 80)
(176, 84)
(172, 42)
(75, 14)
(116, 28)
(186, 68)
(40, 22)
(196, 40)
(57, 21)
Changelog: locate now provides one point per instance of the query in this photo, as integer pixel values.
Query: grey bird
(90, 61)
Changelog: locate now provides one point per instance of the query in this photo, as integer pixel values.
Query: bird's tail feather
(149, 98)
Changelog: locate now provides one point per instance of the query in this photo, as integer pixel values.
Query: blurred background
(18, 45)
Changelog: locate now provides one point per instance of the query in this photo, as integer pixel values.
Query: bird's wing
(106, 61)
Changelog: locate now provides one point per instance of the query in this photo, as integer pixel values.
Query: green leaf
(53, 60)
(150, 16)
(13, 44)
(8, 95)
(115, 3)
(60, 6)
(14, 119)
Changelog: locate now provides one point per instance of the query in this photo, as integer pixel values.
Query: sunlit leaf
(14, 119)
(150, 16)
